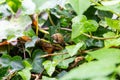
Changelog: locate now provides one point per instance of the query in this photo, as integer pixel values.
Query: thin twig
(51, 21)
(36, 76)
(66, 29)
(40, 74)
(24, 51)
(47, 55)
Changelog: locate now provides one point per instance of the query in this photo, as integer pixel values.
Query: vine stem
(90, 36)
(98, 38)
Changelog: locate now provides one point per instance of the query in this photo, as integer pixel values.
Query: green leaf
(61, 74)
(14, 28)
(73, 49)
(114, 24)
(28, 7)
(80, 6)
(3, 72)
(5, 60)
(14, 5)
(118, 69)
(48, 78)
(27, 65)
(111, 42)
(112, 55)
(37, 61)
(90, 26)
(90, 70)
(88, 58)
(50, 66)
(60, 58)
(112, 8)
(63, 60)
(44, 4)
(25, 73)
(103, 14)
(29, 32)
(65, 63)
(31, 43)
(16, 63)
(101, 78)
(81, 25)
(92, 42)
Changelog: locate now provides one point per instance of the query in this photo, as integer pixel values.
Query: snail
(58, 38)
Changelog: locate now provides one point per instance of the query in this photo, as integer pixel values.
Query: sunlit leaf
(47, 78)
(28, 6)
(45, 4)
(4, 11)
(65, 63)
(114, 24)
(13, 29)
(31, 43)
(81, 25)
(111, 42)
(72, 49)
(80, 6)
(25, 73)
(108, 54)
(63, 60)
(50, 66)
(89, 70)
(14, 4)
(112, 8)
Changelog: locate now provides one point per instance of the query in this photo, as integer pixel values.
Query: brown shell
(58, 38)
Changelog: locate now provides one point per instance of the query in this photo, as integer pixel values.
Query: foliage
(59, 39)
